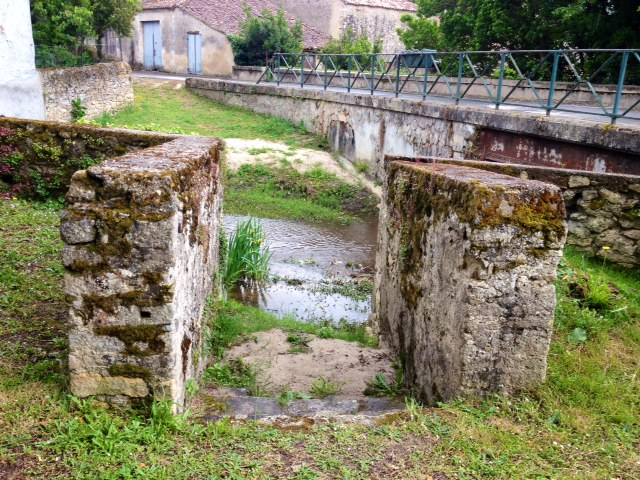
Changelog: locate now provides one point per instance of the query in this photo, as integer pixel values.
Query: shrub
(352, 43)
(262, 37)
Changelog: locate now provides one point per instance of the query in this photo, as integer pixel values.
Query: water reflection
(321, 272)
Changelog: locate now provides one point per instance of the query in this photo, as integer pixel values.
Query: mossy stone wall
(141, 237)
(603, 209)
(465, 277)
(46, 154)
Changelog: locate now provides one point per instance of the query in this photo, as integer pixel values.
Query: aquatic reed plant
(248, 255)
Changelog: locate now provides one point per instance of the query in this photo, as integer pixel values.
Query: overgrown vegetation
(61, 27)
(351, 43)
(263, 36)
(41, 168)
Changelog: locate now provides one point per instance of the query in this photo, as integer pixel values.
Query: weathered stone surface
(611, 197)
(465, 277)
(375, 126)
(633, 234)
(140, 254)
(87, 385)
(605, 213)
(576, 181)
(81, 231)
(103, 88)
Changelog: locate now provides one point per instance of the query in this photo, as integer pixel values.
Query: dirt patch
(343, 363)
(241, 152)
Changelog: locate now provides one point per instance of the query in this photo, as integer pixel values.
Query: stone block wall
(465, 277)
(103, 88)
(141, 236)
(603, 210)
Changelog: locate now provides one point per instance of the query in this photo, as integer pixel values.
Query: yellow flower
(606, 249)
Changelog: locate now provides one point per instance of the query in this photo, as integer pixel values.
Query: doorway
(152, 45)
(195, 53)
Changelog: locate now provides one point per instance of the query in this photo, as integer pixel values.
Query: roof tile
(226, 16)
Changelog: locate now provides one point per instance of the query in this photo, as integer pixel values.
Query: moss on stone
(134, 335)
(130, 371)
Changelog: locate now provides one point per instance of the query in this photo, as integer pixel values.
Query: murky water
(320, 272)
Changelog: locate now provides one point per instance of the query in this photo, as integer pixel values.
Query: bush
(352, 43)
(262, 37)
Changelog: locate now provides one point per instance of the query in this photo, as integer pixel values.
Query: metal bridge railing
(606, 82)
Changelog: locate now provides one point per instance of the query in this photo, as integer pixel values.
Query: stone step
(237, 404)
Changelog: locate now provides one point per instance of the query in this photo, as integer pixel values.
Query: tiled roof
(403, 5)
(226, 15)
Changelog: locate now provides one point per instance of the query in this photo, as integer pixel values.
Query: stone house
(379, 18)
(191, 36)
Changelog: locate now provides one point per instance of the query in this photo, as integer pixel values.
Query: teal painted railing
(597, 82)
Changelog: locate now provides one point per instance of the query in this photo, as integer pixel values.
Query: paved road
(578, 112)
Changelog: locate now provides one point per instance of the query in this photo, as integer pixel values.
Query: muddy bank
(281, 367)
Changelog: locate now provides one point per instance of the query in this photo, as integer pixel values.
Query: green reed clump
(247, 255)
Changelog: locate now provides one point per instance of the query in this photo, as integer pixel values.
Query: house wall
(378, 22)
(217, 56)
(20, 87)
(333, 17)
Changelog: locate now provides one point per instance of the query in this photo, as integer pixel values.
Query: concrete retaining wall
(603, 210)
(365, 128)
(141, 247)
(465, 277)
(103, 88)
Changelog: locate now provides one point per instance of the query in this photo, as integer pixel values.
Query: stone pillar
(465, 278)
(20, 86)
(141, 237)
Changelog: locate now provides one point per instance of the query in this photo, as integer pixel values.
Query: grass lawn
(162, 108)
(584, 422)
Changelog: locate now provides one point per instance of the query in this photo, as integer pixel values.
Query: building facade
(190, 37)
(379, 18)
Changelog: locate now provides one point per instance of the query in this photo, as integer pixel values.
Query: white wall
(20, 86)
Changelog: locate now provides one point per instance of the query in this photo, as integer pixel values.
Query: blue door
(152, 46)
(195, 53)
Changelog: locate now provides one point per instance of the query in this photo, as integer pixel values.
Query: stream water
(319, 272)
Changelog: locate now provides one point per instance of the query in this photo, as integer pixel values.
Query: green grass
(282, 192)
(165, 109)
(322, 388)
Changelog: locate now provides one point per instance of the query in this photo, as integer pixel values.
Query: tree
(525, 24)
(68, 23)
(62, 22)
(421, 33)
(116, 15)
(262, 37)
